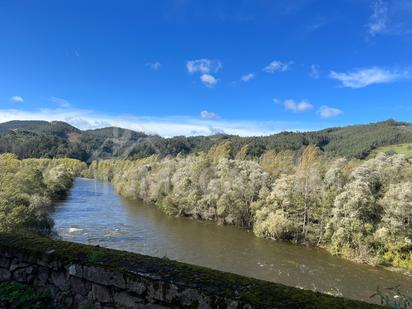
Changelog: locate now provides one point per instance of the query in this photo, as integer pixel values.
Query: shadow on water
(94, 214)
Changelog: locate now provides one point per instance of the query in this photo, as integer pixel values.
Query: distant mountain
(59, 139)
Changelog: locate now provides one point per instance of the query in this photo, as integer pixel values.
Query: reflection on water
(94, 214)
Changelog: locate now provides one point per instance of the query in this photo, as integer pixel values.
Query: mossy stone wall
(78, 276)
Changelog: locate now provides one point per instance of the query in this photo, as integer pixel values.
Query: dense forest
(360, 210)
(28, 189)
(41, 139)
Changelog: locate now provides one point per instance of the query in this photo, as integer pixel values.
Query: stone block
(80, 286)
(80, 301)
(204, 305)
(23, 274)
(4, 262)
(101, 293)
(171, 293)
(16, 264)
(75, 270)
(136, 286)
(59, 280)
(188, 297)
(42, 274)
(26, 258)
(7, 254)
(104, 277)
(127, 300)
(5, 275)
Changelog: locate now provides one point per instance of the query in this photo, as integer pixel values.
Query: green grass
(405, 149)
(17, 295)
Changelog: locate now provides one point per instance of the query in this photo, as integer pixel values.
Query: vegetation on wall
(18, 295)
(28, 188)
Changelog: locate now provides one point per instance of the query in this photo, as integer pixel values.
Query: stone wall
(81, 276)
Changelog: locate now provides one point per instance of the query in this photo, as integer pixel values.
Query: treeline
(360, 210)
(28, 188)
(41, 139)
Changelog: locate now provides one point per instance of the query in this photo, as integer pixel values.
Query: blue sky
(191, 67)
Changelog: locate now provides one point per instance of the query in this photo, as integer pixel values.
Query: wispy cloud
(164, 126)
(208, 115)
(154, 65)
(247, 77)
(277, 66)
(314, 71)
(368, 76)
(390, 17)
(294, 106)
(61, 102)
(208, 80)
(17, 99)
(203, 66)
(329, 112)
(378, 21)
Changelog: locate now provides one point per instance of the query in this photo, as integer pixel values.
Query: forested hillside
(41, 139)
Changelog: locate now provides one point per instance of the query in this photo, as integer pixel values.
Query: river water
(94, 214)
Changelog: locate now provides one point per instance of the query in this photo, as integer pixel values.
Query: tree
(397, 212)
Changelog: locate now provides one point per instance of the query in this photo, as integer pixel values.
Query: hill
(59, 139)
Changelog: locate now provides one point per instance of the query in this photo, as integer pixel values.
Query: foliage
(201, 186)
(28, 187)
(17, 295)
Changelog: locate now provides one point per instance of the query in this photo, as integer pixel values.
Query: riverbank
(349, 208)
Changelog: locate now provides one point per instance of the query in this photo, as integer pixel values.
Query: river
(94, 214)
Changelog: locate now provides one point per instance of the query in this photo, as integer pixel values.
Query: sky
(193, 67)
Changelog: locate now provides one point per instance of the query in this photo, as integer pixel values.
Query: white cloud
(203, 66)
(208, 115)
(164, 126)
(314, 71)
(295, 107)
(208, 80)
(248, 77)
(368, 76)
(378, 21)
(277, 66)
(61, 102)
(17, 99)
(328, 112)
(154, 65)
